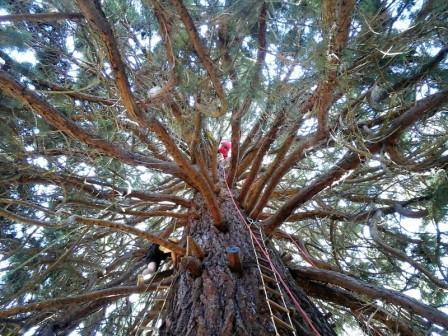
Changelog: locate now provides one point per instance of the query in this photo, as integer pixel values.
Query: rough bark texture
(219, 302)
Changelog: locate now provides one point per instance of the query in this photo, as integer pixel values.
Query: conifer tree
(328, 216)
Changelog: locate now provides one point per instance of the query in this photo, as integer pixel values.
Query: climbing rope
(302, 312)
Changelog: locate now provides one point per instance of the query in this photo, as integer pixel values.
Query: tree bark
(221, 302)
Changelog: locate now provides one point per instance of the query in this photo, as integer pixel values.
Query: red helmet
(224, 148)
(226, 144)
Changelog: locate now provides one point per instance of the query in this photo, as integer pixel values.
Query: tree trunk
(221, 302)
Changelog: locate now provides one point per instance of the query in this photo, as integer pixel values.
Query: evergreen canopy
(112, 113)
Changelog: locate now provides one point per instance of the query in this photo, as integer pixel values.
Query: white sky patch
(147, 176)
(374, 163)
(107, 68)
(28, 56)
(424, 91)
(155, 39)
(270, 65)
(133, 298)
(70, 43)
(73, 71)
(297, 73)
(85, 170)
(62, 160)
(413, 224)
(203, 29)
(131, 43)
(307, 126)
(228, 85)
(404, 22)
(40, 162)
(31, 331)
(141, 226)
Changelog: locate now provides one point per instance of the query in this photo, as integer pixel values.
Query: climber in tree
(154, 256)
(224, 148)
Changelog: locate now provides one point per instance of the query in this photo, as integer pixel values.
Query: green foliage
(13, 38)
(439, 199)
(46, 175)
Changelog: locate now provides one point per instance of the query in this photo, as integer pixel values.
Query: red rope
(266, 254)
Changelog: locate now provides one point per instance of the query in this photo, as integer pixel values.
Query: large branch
(54, 118)
(198, 179)
(305, 144)
(87, 184)
(131, 230)
(259, 184)
(350, 161)
(303, 251)
(93, 12)
(165, 32)
(281, 169)
(237, 114)
(118, 227)
(202, 54)
(337, 21)
(358, 307)
(261, 152)
(29, 221)
(40, 17)
(40, 83)
(386, 295)
(335, 214)
(62, 302)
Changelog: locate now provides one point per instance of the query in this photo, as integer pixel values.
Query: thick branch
(53, 117)
(357, 306)
(263, 148)
(40, 17)
(352, 160)
(196, 178)
(303, 251)
(29, 221)
(258, 186)
(372, 292)
(93, 13)
(281, 170)
(129, 229)
(202, 54)
(62, 302)
(102, 26)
